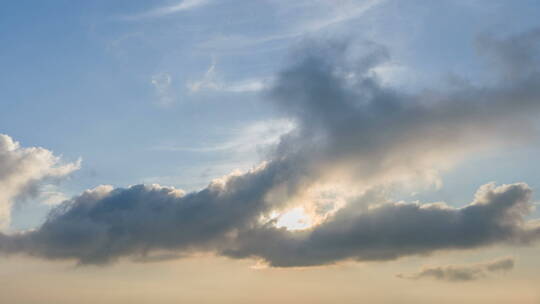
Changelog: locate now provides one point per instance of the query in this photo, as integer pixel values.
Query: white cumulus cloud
(22, 169)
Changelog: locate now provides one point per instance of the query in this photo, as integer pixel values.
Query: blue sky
(179, 93)
(77, 76)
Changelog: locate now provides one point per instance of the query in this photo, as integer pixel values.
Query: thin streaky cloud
(310, 26)
(243, 140)
(211, 81)
(168, 10)
(342, 16)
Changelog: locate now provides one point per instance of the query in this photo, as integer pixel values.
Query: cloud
(462, 273)
(349, 124)
(182, 6)
(349, 130)
(245, 140)
(212, 82)
(208, 81)
(296, 19)
(23, 170)
(516, 57)
(335, 14)
(104, 223)
(392, 230)
(162, 85)
(49, 194)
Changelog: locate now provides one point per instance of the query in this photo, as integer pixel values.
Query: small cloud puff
(462, 273)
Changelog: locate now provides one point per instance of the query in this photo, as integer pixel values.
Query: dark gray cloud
(516, 56)
(349, 127)
(462, 273)
(393, 230)
(103, 224)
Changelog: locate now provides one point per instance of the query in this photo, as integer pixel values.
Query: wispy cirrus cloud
(211, 81)
(162, 85)
(320, 15)
(242, 140)
(344, 11)
(182, 6)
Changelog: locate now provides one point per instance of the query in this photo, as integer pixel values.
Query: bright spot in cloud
(294, 219)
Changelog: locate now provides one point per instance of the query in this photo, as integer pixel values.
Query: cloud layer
(350, 129)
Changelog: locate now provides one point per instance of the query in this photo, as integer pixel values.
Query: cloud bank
(349, 129)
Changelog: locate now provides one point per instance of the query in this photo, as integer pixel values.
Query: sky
(314, 151)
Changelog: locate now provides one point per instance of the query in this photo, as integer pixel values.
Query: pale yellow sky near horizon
(208, 279)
